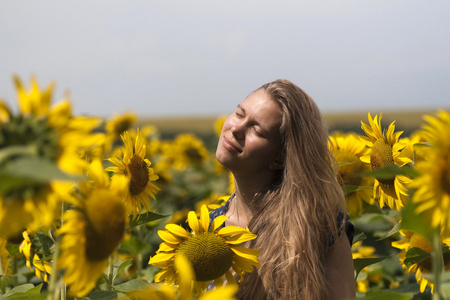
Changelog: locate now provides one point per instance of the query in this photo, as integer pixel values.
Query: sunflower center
(348, 173)
(139, 175)
(381, 157)
(193, 154)
(209, 255)
(105, 224)
(122, 126)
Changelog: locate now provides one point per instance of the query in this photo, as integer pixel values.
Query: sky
(203, 57)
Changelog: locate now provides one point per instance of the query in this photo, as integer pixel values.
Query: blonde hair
(296, 217)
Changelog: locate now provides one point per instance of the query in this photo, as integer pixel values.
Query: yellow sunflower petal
(193, 222)
(186, 276)
(218, 221)
(239, 239)
(166, 247)
(168, 237)
(247, 253)
(231, 230)
(230, 278)
(223, 293)
(161, 257)
(245, 264)
(204, 218)
(164, 274)
(178, 231)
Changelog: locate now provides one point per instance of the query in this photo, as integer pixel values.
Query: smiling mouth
(230, 146)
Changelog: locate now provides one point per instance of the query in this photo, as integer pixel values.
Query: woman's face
(250, 139)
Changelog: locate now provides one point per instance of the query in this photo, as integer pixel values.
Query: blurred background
(181, 64)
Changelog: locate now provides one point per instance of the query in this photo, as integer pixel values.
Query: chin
(223, 159)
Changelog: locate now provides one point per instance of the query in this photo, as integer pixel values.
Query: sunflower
(384, 152)
(91, 231)
(184, 151)
(118, 124)
(347, 150)
(412, 239)
(433, 184)
(43, 133)
(133, 164)
(35, 102)
(151, 137)
(212, 252)
(43, 267)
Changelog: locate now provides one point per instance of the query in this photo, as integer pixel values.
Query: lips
(230, 146)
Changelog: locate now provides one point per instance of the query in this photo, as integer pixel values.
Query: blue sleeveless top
(342, 216)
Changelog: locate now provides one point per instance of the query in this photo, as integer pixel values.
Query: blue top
(349, 228)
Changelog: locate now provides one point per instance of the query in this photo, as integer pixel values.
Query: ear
(278, 163)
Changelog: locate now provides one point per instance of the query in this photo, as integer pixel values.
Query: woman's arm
(339, 270)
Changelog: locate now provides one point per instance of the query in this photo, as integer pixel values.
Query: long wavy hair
(296, 217)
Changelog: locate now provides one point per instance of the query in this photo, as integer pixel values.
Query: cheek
(226, 124)
(259, 146)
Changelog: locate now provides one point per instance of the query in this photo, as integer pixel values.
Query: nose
(238, 131)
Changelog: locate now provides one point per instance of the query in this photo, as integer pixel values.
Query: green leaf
(411, 220)
(348, 189)
(391, 171)
(372, 222)
(24, 291)
(361, 263)
(133, 246)
(123, 266)
(144, 218)
(132, 285)
(359, 237)
(340, 164)
(415, 255)
(388, 295)
(102, 295)
(391, 232)
(39, 169)
(13, 249)
(14, 151)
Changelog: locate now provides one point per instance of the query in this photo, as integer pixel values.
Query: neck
(247, 187)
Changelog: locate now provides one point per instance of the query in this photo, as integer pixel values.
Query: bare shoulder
(339, 270)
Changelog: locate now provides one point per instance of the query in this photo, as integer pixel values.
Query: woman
(286, 192)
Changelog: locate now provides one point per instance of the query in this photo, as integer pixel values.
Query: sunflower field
(94, 208)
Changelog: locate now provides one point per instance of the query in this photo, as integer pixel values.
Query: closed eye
(239, 114)
(258, 131)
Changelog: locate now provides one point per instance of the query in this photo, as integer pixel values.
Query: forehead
(262, 109)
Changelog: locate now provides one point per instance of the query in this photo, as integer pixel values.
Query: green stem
(438, 264)
(139, 255)
(63, 290)
(110, 277)
(15, 280)
(56, 287)
(52, 287)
